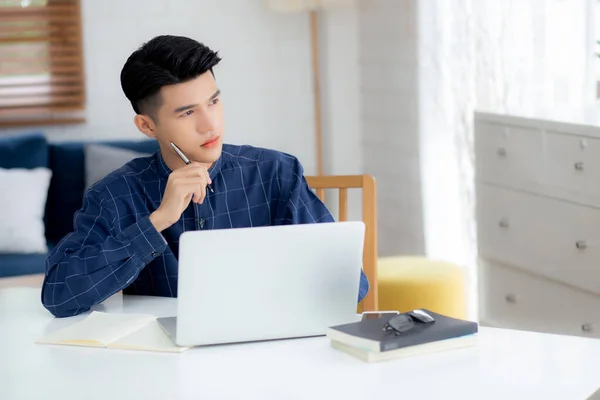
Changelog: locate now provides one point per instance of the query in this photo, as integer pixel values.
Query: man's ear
(146, 125)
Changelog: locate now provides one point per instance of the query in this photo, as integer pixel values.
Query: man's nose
(206, 123)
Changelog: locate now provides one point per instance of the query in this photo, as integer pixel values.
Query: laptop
(266, 283)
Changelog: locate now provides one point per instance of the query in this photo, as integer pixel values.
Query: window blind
(41, 62)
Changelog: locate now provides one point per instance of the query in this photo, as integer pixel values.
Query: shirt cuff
(364, 285)
(146, 241)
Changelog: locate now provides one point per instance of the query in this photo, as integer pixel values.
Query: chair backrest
(369, 215)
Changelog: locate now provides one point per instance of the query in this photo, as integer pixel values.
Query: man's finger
(200, 194)
(199, 171)
(195, 186)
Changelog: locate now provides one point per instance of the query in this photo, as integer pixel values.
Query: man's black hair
(164, 60)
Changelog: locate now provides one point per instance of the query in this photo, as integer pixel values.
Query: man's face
(191, 116)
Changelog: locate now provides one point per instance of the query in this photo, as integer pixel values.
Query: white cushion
(23, 194)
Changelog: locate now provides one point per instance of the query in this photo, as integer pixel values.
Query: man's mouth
(211, 143)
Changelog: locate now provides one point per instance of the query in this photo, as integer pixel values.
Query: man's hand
(183, 185)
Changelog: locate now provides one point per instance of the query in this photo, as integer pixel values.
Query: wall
(425, 67)
(390, 122)
(400, 81)
(341, 100)
(265, 75)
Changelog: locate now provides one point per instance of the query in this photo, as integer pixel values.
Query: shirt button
(154, 254)
(201, 222)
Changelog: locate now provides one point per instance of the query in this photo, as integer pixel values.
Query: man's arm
(303, 206)
(98, 259)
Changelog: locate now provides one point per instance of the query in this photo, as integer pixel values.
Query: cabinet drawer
(517, 300)
(548, 237)
(509, 156)
(509, 227)
(573, 168)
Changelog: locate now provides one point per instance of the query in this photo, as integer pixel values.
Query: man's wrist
(158, 221)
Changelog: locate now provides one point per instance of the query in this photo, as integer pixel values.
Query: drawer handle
(587, 327)
(501, 152)
(510, 298)
(581, 244)
(579, 166)
(504, 223)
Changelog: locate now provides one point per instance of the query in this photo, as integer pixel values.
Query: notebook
(422, 349)
(370, 341)
(118, 331)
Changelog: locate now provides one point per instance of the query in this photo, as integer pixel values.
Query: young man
(126, 234)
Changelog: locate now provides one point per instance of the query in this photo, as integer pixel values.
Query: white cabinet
(573, 168)
(511, 157)
(518, 300)
(538, 226)
(541, 235)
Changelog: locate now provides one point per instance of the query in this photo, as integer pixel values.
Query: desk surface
(505, 364)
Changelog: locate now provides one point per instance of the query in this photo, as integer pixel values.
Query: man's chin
(210, 155)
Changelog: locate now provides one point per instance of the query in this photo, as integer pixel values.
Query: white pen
(185, 159)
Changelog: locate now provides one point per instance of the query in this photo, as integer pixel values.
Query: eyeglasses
(405, 322)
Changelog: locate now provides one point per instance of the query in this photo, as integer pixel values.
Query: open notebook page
(99, 329)
(150, 338)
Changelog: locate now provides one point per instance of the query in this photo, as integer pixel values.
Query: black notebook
(372, 335)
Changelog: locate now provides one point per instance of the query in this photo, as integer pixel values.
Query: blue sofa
(65, 194)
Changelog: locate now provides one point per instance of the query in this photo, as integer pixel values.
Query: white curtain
(521, 57)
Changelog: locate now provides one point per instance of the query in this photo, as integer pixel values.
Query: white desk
(505, 365)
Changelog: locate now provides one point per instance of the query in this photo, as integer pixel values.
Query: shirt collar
(164, 170)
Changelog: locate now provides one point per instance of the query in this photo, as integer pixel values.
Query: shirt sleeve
(363, 287)
(302, 205)
(97, 259)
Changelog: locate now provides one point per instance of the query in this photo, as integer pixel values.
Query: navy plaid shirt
(114, 246)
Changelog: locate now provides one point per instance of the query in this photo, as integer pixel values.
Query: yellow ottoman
(407, 283)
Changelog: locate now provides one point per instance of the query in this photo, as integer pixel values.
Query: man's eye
(215, 101)
(188, 112)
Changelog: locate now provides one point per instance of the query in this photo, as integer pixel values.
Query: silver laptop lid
(261, 283)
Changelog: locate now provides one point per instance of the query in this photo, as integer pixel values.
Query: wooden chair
(369, 215)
